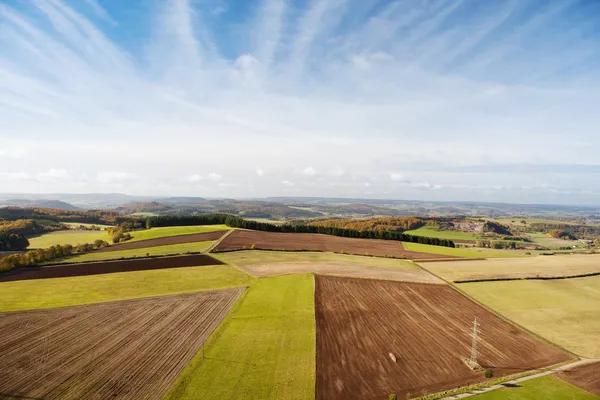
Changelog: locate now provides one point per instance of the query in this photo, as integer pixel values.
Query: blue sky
(437, 100)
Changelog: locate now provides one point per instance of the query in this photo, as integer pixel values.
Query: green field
(564, 311)
(544, 388)
(249, 257)
(545, 240)
(431, 231)
(59, 292)
(72, 237)
(154, 233)
(265, 348)
(196, 247)
(75, 225)
(459, 252)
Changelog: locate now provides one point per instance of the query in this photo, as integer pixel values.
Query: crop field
(107, 267)
(127, 349)
(584, 376)
(72, 237)
(154, 233)
(530, 267)
(264, 349)
(61, 292)
(430, 231)
(544, 388)
(239, 240)
(450, 252)
(425, 327)
(170, 250)
(563, 311)
(165, 241)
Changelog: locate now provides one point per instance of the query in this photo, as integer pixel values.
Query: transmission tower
(473, 360)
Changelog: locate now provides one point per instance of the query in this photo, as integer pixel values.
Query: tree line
(237, 222)
(12, 241)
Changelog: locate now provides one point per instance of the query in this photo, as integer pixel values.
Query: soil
(165, 241)
(242, 239)
(129, 349)
(361, 271)
(427, 328)
(585, 376)
(107, 267)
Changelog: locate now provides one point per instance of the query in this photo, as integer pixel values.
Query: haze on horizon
(432, 100)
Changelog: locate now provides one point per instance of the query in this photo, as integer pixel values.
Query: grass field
(546, 387)
(547, 241)
(459, 252)
(75, 225)
(265, 348)
(59, 292)
(67, 237)
(564, 311)
(543, 266)
(430, 231)
(249, 257)
(154, 233)
(173, 249)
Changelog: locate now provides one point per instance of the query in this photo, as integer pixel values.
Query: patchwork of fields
(316, 320)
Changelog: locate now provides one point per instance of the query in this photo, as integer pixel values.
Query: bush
(392, 397)
(489, 373)
(99, 243)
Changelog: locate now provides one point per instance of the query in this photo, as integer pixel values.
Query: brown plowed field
(130, 349)
(361, 271)
(585, 376)
(165, 241)
(426, 327)
(240, 239)
(107, 267)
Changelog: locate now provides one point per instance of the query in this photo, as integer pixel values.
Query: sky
(428, 100)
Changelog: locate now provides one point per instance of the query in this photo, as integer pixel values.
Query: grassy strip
(546, 387)
(174, 249)
(457, 252)
(428, 231)
(59, 292)
(265, 348)
(154, 233)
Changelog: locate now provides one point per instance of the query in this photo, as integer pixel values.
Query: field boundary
(218, 241)
(528, 278)
(453, 285)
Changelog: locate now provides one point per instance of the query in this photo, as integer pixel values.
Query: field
(265, 348)
(154, 233)
(60, 292)
(197, 247)
(450, 252)
(426, 327)
(584, 376)
(75, 225)
(127, 349)
(430, 231)
(107, 267)
(239, 240)
(165, 241)
(72, 237)
(531, 267)
(563, 311)
(548, 241)
(546, 387)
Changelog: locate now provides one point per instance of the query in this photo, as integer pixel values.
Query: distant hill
(54, 204)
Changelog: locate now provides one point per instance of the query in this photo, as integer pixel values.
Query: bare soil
(242, 239)
(165, 241)
(427, 329)
(107, 267)
(130, 349)
(585, 376)
(361, 271)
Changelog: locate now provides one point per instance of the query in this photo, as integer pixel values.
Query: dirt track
(238, 240)
(130, 349)
(107, 267)
(165, 241)
(426, 327)
(362, 271)
(586, 377)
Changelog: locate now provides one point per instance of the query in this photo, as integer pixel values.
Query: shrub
(392, 397)
(489, 373)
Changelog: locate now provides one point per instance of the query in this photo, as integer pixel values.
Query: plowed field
(426, 328)
(130, 349)
(398, 274)
(586, 377)
(106, 267)
(238, 240)
(164, 241)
